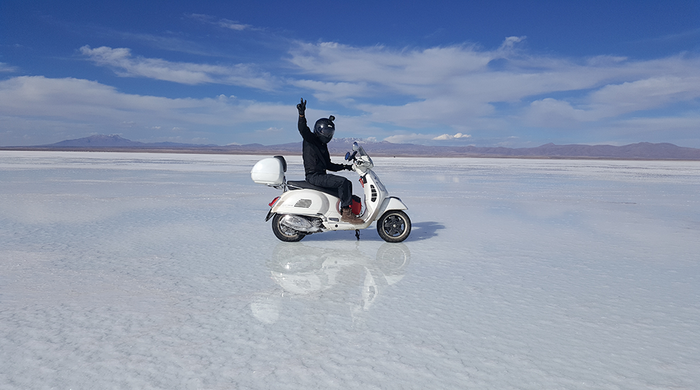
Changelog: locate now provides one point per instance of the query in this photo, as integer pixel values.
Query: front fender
(391, 203)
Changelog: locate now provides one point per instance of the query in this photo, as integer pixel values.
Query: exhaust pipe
(301, 224)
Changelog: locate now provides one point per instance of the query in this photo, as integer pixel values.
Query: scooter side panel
(303, 202)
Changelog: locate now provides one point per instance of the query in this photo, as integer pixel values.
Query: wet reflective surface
(347, 280)
(158, 271)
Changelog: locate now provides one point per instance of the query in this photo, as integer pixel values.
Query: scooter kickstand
(357, 234)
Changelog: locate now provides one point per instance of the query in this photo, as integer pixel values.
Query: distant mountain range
(638, 151)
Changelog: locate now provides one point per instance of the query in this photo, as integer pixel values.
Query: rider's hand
(348, 167)
(301, 107)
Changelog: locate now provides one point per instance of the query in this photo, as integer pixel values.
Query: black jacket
(316, 157)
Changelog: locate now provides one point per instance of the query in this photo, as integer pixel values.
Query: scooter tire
(394, 226)
(284, 233)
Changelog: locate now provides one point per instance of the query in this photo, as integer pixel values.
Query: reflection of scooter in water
(330, 275)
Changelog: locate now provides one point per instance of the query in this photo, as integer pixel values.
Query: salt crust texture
(156, 271)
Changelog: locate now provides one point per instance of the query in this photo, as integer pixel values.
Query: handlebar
(359, 157)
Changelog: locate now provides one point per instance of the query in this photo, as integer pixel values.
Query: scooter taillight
(274, 201)
(362, 181)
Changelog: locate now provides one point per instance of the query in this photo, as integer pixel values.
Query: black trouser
(343, 185)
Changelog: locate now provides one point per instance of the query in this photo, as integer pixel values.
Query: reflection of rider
(330, 278)
(317, 161)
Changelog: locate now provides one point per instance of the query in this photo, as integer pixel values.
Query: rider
(317, 160)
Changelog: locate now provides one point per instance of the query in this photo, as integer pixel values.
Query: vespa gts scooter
(303, 208)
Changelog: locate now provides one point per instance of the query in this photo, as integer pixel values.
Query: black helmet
(324, 129)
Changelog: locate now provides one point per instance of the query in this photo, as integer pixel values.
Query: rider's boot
(348, 216)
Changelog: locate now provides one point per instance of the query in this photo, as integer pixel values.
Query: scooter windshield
(361, 154)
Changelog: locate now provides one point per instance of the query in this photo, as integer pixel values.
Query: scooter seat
(303, 184)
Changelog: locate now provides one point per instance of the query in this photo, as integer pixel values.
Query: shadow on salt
(419, 231)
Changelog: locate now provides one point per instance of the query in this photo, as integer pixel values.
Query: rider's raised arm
(304, 130)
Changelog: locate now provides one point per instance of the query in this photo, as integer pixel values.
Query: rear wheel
(285, 233)
(394, 226)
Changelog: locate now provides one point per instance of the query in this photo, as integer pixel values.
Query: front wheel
(394, 226)
(285, 233)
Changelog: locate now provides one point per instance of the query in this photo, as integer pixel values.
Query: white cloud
(234, 25)
(554, 114)
(429, 113)
(336, 91)
(658, 129)
(448, 137)
(126, 65)
(64, 104)
(5, 68)
(510, 42)
(410, 138)
(614, 100)
(454, 86)
(225, 23)
(403, 71)
(653, 92)
(408, 95)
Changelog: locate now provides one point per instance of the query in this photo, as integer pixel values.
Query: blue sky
(487, 73)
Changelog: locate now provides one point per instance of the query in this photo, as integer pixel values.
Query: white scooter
(304, 209)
